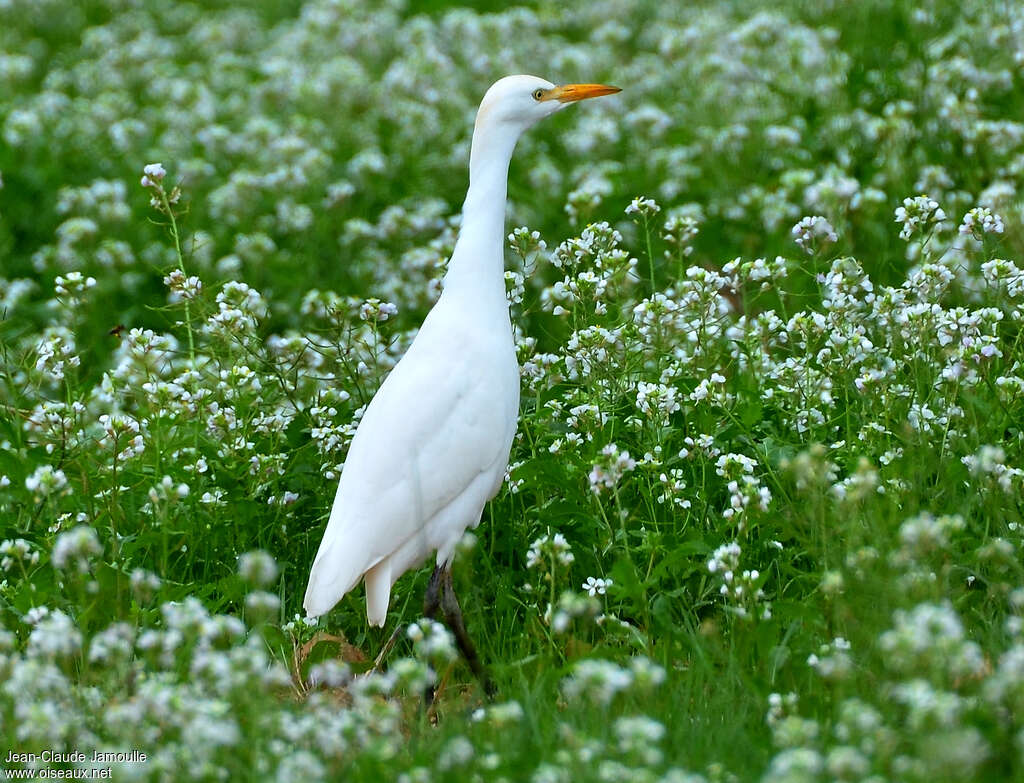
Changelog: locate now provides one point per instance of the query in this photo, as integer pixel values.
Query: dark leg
(453, 617)
(431, 604)
(432, 599)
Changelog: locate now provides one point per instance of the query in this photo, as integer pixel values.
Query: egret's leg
(431, 604)
(432, 599)
(453, 617)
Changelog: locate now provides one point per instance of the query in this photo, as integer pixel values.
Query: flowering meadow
(763, 519)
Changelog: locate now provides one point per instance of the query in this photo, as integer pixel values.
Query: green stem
(650, 251)
(181, 266)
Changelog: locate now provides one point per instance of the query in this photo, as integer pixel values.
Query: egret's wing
(440, 419)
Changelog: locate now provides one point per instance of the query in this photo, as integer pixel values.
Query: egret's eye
(538, 94)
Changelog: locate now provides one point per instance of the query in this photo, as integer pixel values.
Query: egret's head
(520, 101)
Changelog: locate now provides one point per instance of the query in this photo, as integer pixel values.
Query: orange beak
(567, 93)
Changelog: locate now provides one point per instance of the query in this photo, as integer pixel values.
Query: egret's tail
(330, 580)
(335, 571)
(378, 592)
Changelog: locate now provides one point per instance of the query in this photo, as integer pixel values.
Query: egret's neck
(477, 266)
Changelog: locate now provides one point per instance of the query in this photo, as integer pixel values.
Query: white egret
(433, 444)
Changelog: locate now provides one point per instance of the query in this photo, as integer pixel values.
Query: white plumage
(433, 443)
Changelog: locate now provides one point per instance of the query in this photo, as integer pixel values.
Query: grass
(794, 466)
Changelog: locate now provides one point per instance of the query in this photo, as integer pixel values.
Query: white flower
(182, 287)
(16, 551)
(546, 547)
(612, 467)
(810, 229)
(681, 228)
(918, 213)
(432, 641)
(657, 400)
(144, 584)
(55, 636)
(596, 586)
(73, 284)
(647, 675)
(257, 568)
(76, 547)
(704, 388)
(261, 606)
(330, 673)
(153, 174)
(980, 221)
(515, 287)
(636, 731)
(167, 491)
(725, 559)
(455, 753)
(645, 207)
(114, 643)
(598, 680)
(525, 242)
(45, 481)
(299, 764)
(376, 310)
(35, 614)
